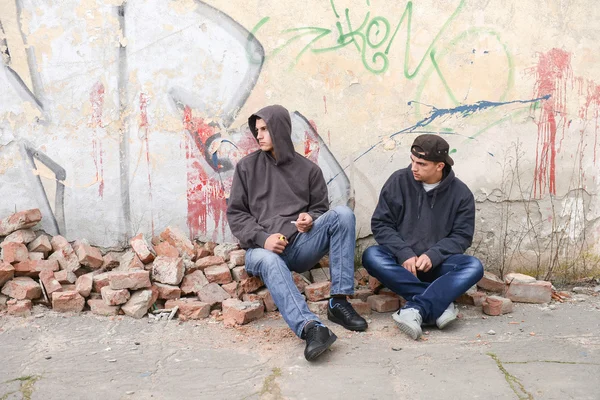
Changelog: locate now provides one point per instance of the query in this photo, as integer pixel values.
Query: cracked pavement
(537, 352)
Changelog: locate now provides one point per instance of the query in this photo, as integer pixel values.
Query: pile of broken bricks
(168, 276)
(515, 287)
(172, 275)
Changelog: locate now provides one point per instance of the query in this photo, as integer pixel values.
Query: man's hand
(411, 265)
(423, 263)
(276, 243)
(304, 222)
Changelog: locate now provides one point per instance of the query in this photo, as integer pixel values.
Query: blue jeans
(333, 233)
(429, 292)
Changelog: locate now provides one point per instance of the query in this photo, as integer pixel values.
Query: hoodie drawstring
(433, 200)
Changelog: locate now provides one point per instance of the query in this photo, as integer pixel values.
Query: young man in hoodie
(423, 223)
(278, 210)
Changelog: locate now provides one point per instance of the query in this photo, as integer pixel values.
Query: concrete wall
(118, 118)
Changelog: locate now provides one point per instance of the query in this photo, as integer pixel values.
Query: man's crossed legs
(429, 295)
(333, 233)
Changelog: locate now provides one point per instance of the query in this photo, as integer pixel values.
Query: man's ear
(440, 166)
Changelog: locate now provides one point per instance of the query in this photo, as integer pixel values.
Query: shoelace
(347, 310)
(310, 335)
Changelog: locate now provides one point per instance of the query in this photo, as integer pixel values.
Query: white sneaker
(409, 321)
(448, 316)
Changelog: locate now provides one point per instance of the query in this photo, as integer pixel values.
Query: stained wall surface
(125, 117)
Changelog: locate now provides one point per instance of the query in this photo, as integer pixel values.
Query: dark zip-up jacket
(410, 221)
(268, 193)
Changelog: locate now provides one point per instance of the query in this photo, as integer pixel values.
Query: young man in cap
(278, 209)
(423, 223)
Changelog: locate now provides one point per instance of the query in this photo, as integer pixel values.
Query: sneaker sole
(320, 350)
(338, 321)
(413, 333)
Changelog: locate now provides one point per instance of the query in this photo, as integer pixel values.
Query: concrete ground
(537, 352)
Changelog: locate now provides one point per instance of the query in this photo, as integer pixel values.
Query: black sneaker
(342, 313)
(318, 339)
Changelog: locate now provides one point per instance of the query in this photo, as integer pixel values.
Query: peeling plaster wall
(118, 118)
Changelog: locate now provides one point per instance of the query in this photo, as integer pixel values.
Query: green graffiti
(373, 33)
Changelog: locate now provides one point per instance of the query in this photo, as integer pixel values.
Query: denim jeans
(429, 292)
(333, 233)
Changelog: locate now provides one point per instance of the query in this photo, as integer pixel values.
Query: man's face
(263, 136)
(426, 171)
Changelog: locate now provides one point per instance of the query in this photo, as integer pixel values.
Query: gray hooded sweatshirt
(268, 193)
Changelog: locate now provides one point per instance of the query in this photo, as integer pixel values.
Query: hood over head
(279, 125)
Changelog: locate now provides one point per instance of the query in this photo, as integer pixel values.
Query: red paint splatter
(592, 100)
(145, 126)
(311, 143)
(97, 102)
(553, 72)
(325, 102)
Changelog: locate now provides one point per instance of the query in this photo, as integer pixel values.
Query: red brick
(193, 282)
(13, 252)
(21, 220)
(209, 261)
(492, 283)
(317, 291)
(88, 255)
(36, 256)
(201, 252)
(238, 257)
(507, 304)
(362, 276)
(167, 292)
(84, 284)
(24, 236)
(166, 250)
(111, 261)
(374, 284)
(141, 247)
(168, 270)
(232, 288)
(224, 250)
(179, 240)
(362, 294)
(189, 309)
(492, 306)
(210, 246)
(69, 287)
(536, 292)
(33, 268)
(324, 262)
(239, 273)
(318, 307)
(267, 299)
(250, 284)
(40, 244)
(213, 294)
(50, 283)
(514, 277)
(236, 312)
(67, 301)
(300, 281)
(7, 272)
(383, 303)
(387, 292)
(133, 279)
(361, 307)
(218, 274)
(19, 308)
(473, 298)
(129, 261)
(114, 297)
(22, 288)
(138, 304)
(65, 277)
(100, 280)
(99, 307)
(64, 254)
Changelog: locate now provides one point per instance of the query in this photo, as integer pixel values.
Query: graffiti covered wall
(124, 117)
